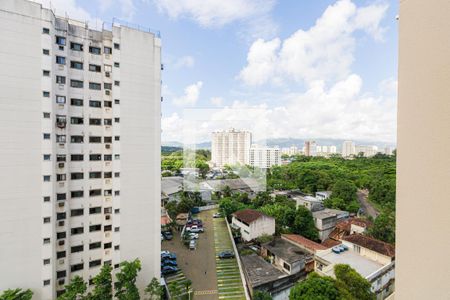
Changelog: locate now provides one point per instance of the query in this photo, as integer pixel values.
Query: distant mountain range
(288, 142)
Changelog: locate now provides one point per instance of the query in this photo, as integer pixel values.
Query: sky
(311, 69)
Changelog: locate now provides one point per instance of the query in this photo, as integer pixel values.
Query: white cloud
(216, 101)
(191, 95)
(184, 62)
(172, 127)
(215, 13)
(341, 111)
(323, 52)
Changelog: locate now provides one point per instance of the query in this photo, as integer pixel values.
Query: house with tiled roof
(253, 224)
(303, 243)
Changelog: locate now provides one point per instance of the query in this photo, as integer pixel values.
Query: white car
(192, 245)
(193, 236)
(165, 252)
(217, 215)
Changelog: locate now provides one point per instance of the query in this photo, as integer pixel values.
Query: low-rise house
(310, 202)
(303, 243)
(287, 256)
(253, 224)
(325, 220)
(371, 258)
(171, 188)
(322, 195)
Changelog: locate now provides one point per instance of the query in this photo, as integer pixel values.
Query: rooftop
(286, 251)
(259, 271)
(307, 243)
(346, 224)
(328, 213)
(171, 185)
(371, 244)
(248, 216)
(361, 264)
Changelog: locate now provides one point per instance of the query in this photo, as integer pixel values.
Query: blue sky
(319, 69)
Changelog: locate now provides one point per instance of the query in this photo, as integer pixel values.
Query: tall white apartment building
(333, 149)
(230, 147)
(264, 157)
(348, 149)
(367, 151)
(310, 148)
(79, 149)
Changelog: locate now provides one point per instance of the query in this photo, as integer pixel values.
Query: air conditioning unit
(107, 252)
(107, 56)
(61, 261)
(108, 217)
(60, 223)
(107, 234)
(61, 242)
(61, 67)
(107, 181)
(107, 74)
(61, 184)
(61, 165)
(61, 204)
(108, 146)
(107, 92)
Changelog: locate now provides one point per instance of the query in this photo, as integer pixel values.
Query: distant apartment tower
(367, 151)
(310, 148)
(332, 149)
(264, 157)
(348, 149)
(230, 147)
(80, 144)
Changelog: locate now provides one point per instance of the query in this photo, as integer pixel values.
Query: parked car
(217, 215)
(168, 262)
(168, 270)
(254, 248)
(171, 256)
(226, 254)
(193, 236)
(192, 245)
(162, 237)
(195, 229)
(167, 235)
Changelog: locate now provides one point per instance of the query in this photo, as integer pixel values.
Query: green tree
(125, 286)
(304, 224)
(154, 290)
(284, 216)
(384, 227)
(74, 290)
(16, 294)
(187, 286)
(226, 191)
(315, 287)
(229, 206)
(350, 281)
(103, 284)
(261, 295)
(174, 290)
(172, 209)
(261, 199)
(345, 190)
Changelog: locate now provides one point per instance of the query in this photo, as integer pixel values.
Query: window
(46, 178)
(76, 267)
(61, 79)
(107, 86)
(117, 211)
(116, 101)
(94, 103)
(94, 175)
(108, 103)
(60, 274)
(60, 254)
(46, 241)
(76, 194)
(117, 138)
(97, 192)
(46, 115)
(46, 282)
(95, 68)
(95, 210)
(116, 156)
(60, 177)
(94, 50)
(95, 139)
(46, 261)
(76, 83)
(287, 267)
(107, 246)
(76, 212)
(76, 230)
(76, 120)
(107, 228)
(76, 102)
(61, 235)
(94, 228)
(76, 176)
(60, 60)
(61, 196)
(47, 156)
(76, 139)
(107, 139)
(117, 83)
(107, 210)
(116, 46)
(61, 99)
(95, 157)
(76, 249)
(76, 46)
(116, 193)
(107, 121)
(76, 65)
(117, 174)
(77, 157)
(107, 157)
(107, 192)
(95, 245)
(95, 263)
(61, 216)
(46, 73)
(108, 68)
(45, 51)
(107, 50)
(60, 157)
(117, 120)
(116, 65)
(46, 220)
(46, 198)
(95, 122)
(46, 136)
(107, 175)
(45, 94)
(60, 138)
(60, 40)
(45, 30)
(117, 247)
(116, 266)
(95, 86)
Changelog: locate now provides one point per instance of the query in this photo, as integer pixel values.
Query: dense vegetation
(173, 161)
(348, 285)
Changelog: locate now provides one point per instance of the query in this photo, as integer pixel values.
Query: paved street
(365, 204)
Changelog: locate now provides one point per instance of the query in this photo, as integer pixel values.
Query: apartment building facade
(348, 149)
(80, 119)
(311, 148)
(264, 157)
(230, 147)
